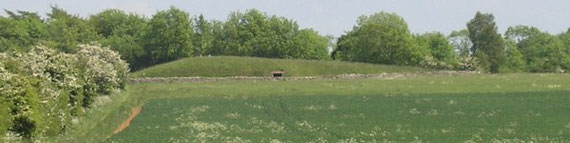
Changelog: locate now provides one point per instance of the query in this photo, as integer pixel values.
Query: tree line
(168, 35)
(382, 38)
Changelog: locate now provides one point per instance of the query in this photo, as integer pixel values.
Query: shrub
(23, 102)
(5, 117)
(431, 62)
(60, 70)
(468, 64)
(104, 69)
(42, 90)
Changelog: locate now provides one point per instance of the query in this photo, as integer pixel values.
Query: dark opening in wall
(278, 74)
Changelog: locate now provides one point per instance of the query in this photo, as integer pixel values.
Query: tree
(219, 44)
(380, 38)
(250, 34)
(12, 35)
(116, 22)
(515, 60)
(66, 31)
(461, 43)
(129, 47)
(542, 51)
(278, 37)
(565, 38)
(123, 33)
(21, 30)
(308, 44)
(488, 45)
(203, 36)
(439, 48)
(169, 36)
(254, 33)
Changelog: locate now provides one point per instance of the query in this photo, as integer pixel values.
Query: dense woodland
(169, 35)
(44, 56)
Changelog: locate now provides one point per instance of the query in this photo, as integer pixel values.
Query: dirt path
(135, 111)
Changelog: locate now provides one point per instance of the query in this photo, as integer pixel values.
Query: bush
(60, 70)
(5, 116)
(104, 69)
(431, 62)
(42, 90)
(23, 102)
(468, 64)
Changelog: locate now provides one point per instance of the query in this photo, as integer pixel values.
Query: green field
(251, 66)
(478, 108)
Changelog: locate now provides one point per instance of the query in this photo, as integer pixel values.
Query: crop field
(469, 108)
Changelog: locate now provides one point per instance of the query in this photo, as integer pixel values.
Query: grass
(250, 66)
(100, 121)
(478, 108)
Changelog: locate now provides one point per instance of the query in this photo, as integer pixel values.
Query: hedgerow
(43, 90)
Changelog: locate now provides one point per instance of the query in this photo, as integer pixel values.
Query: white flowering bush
(5, 116)
(58, 69)
(53, 66)
(468, 64)
(431, 62)
(42, 90)
(103, 70)
(20, 97)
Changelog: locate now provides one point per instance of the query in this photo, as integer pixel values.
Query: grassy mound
(250, 66)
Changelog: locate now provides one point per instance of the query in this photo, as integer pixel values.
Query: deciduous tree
(169, 36)
(488, 44)
(380, 38)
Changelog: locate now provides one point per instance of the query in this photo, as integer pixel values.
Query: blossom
(47, 87)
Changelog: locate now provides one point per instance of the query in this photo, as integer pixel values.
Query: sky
(335, 17)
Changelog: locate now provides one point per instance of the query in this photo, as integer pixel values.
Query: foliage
(380, 38)
(44, 89)
(169, 36)
(308, 44)
(20, 31)
(488, 45)
(442, 54)
(5, 117)
(5, 112)
(461, 43)
(256, 34)
(515, 60)
(468, 64)
(122, 33)
(203, 36)
(103, 68)
(66, 31)
(23, 102)
(565, 38)
(130, 49)
(542, 52)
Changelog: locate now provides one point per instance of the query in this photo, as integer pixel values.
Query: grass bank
(251, 66)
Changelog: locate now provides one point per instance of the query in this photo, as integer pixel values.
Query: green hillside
(250, 66)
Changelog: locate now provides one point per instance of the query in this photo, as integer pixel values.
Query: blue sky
(334, 17)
